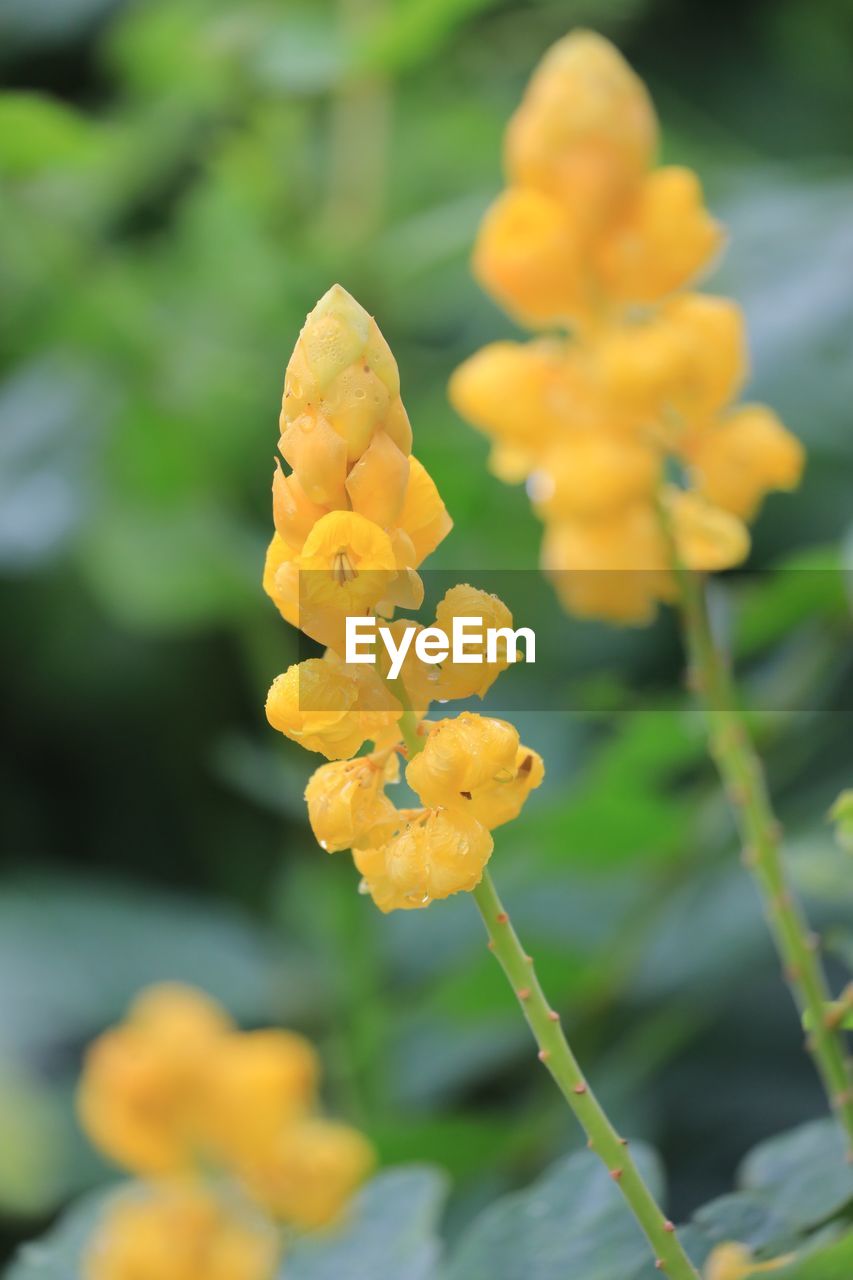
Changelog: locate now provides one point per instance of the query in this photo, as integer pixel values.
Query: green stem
(556, 1055)
(743, 778)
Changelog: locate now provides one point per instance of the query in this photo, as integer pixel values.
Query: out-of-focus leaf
(806, 585)
(174, 568)
(38, 132)
(56, 1256)
(804, 1174)
(51, 927)
(829, 1262)
(32, 1134)
(572, 1222)
(49, 414)
(414, 30)
(391, 1234)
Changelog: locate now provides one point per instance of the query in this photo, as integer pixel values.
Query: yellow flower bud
(377, 483)
(592, 474)
(707, 537)
(346, 565)
(347, 802)
(664, 240)
(476, 765)
(461, 755)
(313, 703)
(502, 798)
(308, 1172)
(735, 1262)
(424, 516)
(529, 257)
(257, 1082)
(280, 581)
(342, 373)
(436, 853)
(137, 1099)
(743, 457)
(615, 568)
(318, 457)
(294, 514)
(465, 680)
(586, 130)
(179, 1232)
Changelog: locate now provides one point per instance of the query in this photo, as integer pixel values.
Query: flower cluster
(354, 519)
(223, 1130)
(640, 388)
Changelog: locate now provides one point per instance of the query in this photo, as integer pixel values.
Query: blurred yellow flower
(306, 1173)
(179, 1231)
(735, 1262)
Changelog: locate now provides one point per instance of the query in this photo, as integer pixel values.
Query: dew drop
(324, 845)
(363, 888)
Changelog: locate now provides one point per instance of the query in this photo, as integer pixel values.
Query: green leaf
(56, 1256)
(72, 954)
(391, 1234)
(39, 133)
(571, 1222)
(831, 1262)
(805, 1173)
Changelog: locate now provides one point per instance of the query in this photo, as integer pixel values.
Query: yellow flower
(327, 706)
(735, 1262)
(435, 853)
(257, 1082)
(346, 564)
(664, 240)
(529, 257)
(342, 373)
(740, 459)
(707, 538)
(465, 680)
(476, 765)
(614, 568)
(461, 755)
(519, 393)
(346, 800)
(281, 582)
(689, 360)
(180, 1016)
(586, 130)
(138, 1095)
(313, 703)
(593, 473)
(179, 1232)
(307, 1172)
(423, 518)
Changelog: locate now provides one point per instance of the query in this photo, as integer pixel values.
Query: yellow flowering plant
(622, 417)
(222, 1132)
(470, 773)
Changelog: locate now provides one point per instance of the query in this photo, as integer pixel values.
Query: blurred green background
(179, 181)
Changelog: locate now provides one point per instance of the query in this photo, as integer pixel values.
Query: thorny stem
(743, 779)
(557, 1056)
